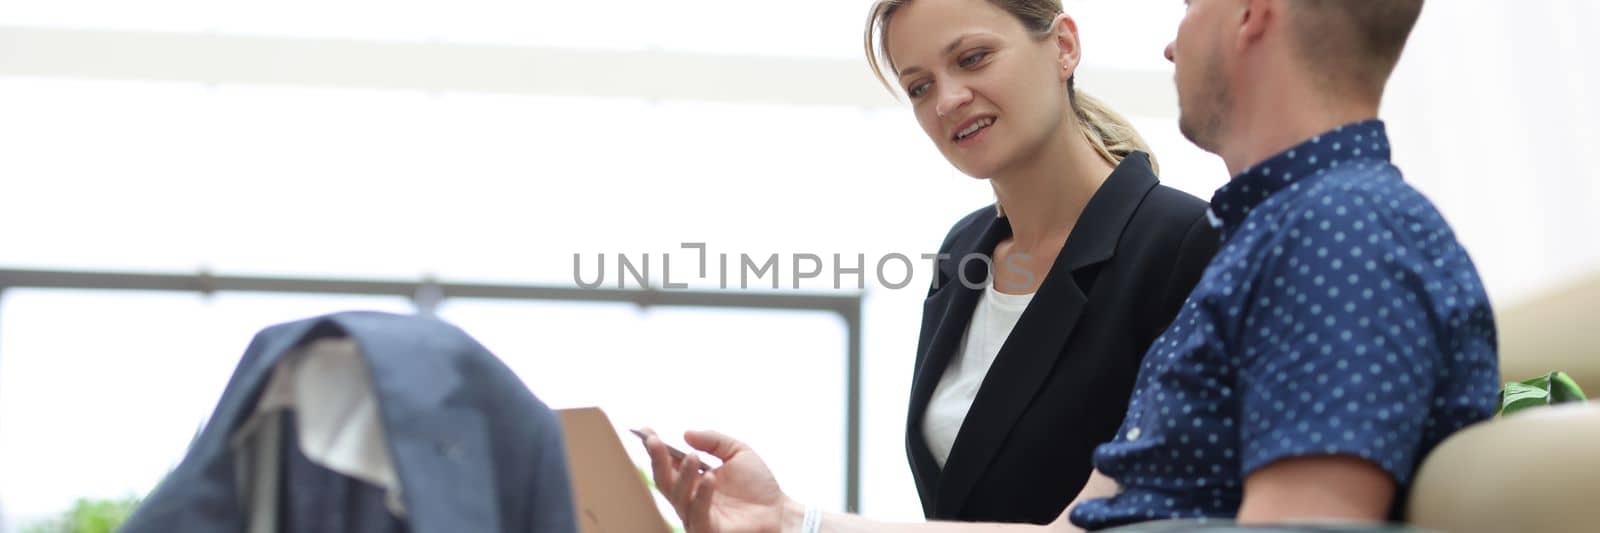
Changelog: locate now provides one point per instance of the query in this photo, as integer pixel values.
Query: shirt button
(1133, 434)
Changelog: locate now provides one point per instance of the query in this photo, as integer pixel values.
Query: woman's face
(985, 91)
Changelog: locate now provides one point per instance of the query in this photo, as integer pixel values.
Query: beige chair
(1555, 329)
(1535, 471)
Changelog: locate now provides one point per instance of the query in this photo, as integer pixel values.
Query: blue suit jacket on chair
(474, 450)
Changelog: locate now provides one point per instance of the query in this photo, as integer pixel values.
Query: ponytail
(1111, 135)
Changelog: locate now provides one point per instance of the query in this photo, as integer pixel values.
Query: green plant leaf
(1552, 388)
(1517, 396)
(1563, 389)
(89, 516)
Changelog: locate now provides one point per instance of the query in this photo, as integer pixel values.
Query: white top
(328, 386)
(992, 320)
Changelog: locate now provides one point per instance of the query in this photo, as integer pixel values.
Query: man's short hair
(1356, 42)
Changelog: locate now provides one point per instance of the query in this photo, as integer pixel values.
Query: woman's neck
(1043, 198)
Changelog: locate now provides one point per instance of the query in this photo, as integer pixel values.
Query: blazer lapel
(952, 303)
(1031, 351)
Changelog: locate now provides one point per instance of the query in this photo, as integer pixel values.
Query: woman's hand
(741, 496)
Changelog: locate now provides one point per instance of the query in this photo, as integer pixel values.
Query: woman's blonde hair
(1109, 133)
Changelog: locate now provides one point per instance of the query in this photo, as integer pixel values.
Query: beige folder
(606, 486)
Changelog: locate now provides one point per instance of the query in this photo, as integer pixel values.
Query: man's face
(1197, 55)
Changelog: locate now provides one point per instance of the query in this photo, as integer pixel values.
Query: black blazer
(1061, 382)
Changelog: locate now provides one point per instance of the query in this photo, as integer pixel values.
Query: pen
(676, 454)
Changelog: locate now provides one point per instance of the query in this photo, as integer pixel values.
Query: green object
(1555, 387)
(676, 528)
(89, 516)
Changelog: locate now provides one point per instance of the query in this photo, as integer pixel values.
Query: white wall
(1490, 112)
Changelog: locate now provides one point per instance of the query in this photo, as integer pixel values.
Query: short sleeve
(1337, 350)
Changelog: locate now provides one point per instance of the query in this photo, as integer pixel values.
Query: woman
(1023, 368)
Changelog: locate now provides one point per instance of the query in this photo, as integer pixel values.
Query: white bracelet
(812, 522)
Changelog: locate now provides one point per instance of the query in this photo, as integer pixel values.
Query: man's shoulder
(1364, 207)
(1363, 199)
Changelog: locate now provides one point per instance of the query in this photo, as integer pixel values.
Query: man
(1340, 333)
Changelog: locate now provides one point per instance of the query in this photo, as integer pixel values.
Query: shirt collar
(1366, 139)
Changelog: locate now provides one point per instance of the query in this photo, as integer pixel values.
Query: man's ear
(1253, 19)
(1068, 49)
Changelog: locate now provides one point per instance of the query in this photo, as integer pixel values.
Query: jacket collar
(1289, 169)
(1034, 345)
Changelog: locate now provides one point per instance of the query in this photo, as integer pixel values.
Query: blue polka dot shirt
(1340, 316)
